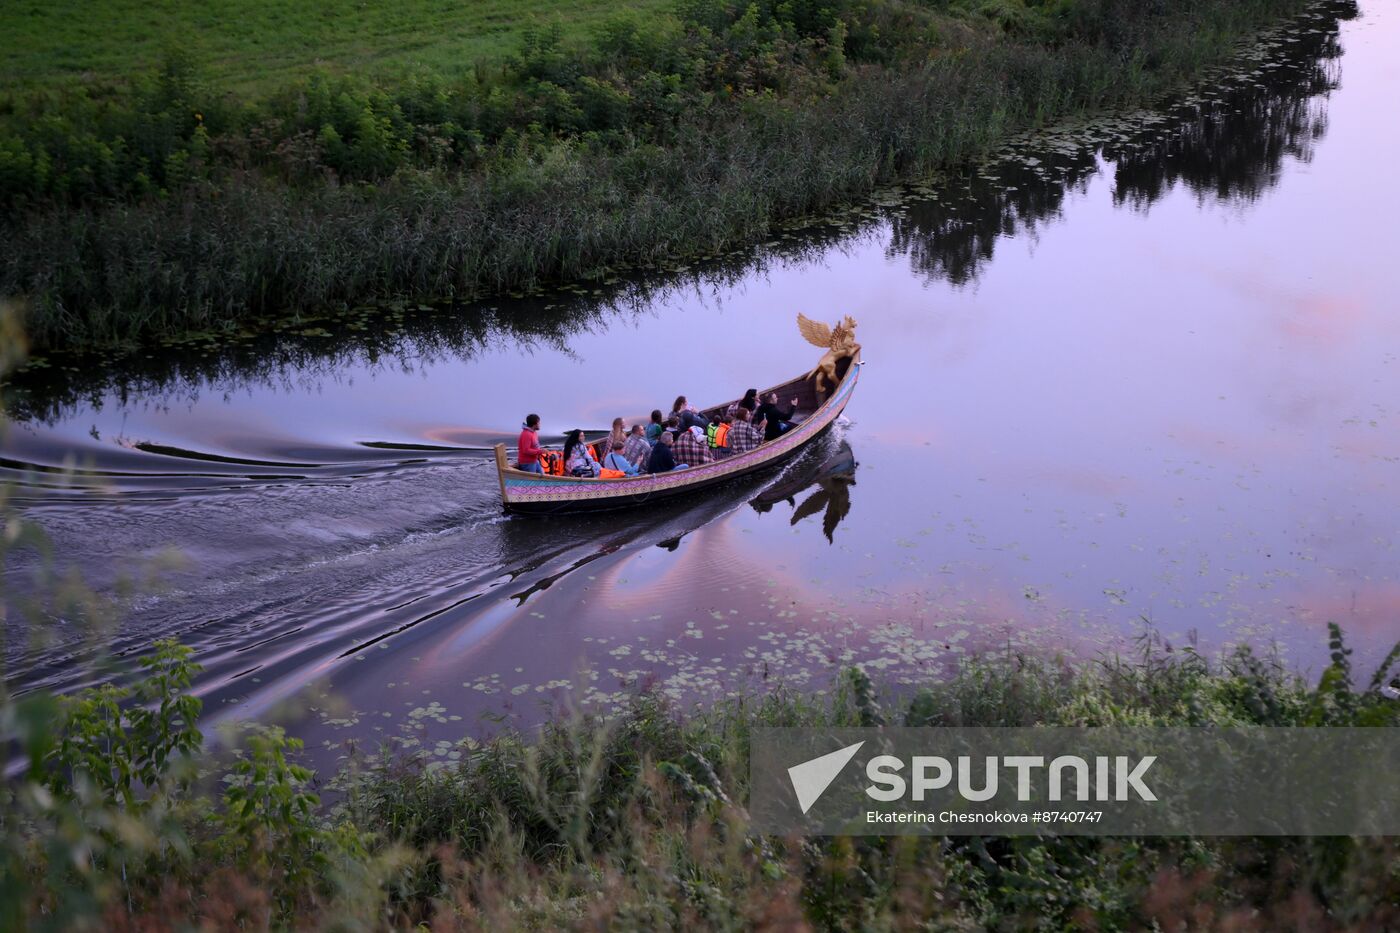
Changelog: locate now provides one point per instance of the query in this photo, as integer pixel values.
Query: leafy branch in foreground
(130, 745)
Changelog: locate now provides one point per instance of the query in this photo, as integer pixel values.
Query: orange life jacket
(552, 462)
(611, 474)
(718, 435)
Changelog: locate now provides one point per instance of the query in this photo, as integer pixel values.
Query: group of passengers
(685, 438)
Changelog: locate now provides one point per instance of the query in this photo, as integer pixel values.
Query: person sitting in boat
(636, 449)
(779, 420)
(656, 428)
(529, 445)
(618, 433)
(617, 460)
(743, 436)
(578, 457)
(749, 401)
(663, 460)
(692, 447)
(687, 416)
(717, 436)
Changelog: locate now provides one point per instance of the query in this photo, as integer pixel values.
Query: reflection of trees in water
(952, 237)
(386, 340)
(1232, 147)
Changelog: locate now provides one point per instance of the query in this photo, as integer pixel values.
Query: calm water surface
(1143, 380)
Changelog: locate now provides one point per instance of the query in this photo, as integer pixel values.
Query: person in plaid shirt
(637, 450)
(691, 448)
(743, 436)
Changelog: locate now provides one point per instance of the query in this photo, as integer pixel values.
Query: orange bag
(552, 462)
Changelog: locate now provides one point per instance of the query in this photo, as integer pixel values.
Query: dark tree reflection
(1231, 146)
(1228, 143)
(950, 238)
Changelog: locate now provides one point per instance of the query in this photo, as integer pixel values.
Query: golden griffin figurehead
(839, 343)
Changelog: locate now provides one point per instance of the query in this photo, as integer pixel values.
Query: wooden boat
(821, 396)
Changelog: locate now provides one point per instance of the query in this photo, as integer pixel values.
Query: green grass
(255, 45)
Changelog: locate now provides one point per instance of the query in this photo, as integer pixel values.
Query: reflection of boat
(833, 478)
(816, 410)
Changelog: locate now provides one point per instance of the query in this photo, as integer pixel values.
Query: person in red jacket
(530, 445)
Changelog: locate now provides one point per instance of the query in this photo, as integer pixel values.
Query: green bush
(129, 744)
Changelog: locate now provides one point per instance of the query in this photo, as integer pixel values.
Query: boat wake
(274, 582)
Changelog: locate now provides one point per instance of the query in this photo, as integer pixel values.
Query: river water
(1139, 375)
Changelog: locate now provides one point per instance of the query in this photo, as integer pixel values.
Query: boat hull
(533, 494)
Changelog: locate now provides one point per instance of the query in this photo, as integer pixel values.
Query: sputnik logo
(811, 778)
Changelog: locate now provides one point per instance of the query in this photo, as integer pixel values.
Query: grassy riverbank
(639, 822)
(254, 46)
(169, 206)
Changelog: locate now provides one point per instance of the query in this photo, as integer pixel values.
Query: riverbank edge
(224, 266)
